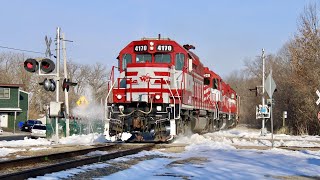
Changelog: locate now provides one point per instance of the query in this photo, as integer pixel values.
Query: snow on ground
(6, 151)
(209, 161)
(70, 173)
(124, 136)
(212, 156)
(243, 136)
(8, 147)
(83, 139)
(244, 132)
(26, 142)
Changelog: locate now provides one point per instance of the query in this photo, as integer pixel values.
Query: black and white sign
(140, 48)
(164, 48)
(48, 43)
(318, 101)
(207, 75)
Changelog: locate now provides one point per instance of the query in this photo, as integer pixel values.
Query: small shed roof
(11, 85)
(10, 109)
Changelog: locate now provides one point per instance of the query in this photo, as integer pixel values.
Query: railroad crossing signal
(318, 101)
(67, 83)
(45, 66)
(48, 84)
(256, 90)
(32, 65)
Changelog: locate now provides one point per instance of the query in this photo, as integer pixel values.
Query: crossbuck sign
(318, 101)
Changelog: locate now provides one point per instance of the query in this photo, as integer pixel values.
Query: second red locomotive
(163, 90)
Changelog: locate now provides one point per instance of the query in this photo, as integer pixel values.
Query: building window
(4, 93)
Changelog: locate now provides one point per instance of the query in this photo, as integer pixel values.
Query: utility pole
(66, 93)
(57, 78)
(271, 110)
(263, 129)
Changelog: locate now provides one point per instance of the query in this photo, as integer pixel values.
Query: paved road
(8, 136)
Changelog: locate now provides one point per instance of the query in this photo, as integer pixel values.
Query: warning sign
(82, 101)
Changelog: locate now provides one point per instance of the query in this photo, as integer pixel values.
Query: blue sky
(223, 32)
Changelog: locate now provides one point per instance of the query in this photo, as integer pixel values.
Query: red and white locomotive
(163, 90)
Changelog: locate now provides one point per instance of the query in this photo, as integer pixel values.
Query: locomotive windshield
(206, 81)
(179, 63)
(142, 58)
(215, 83)
(126, 59)
(162, 58)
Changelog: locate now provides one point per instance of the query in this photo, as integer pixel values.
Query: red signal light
(66, 84)
(47, 65)
(31, 65)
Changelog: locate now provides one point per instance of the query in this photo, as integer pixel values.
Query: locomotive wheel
(183, 126)
(180, 126)
(210, 125)
(223, 123)
(187, 127)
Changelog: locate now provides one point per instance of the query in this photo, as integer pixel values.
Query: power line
(23, 50)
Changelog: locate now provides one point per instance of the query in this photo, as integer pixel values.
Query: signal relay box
(56, 109)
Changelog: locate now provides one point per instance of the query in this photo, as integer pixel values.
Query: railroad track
(275, 139)
(268, 139)
(265, 146)
(291, 148)
(24, 168)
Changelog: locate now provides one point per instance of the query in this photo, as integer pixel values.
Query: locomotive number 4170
(164, 48)
(140, 48)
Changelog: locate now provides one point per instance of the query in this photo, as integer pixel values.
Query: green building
(14, 106)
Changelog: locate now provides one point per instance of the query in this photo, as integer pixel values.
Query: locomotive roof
(208, 70)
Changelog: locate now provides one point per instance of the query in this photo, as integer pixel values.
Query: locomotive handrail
(122, 114)
(116, 121)
(149, 110)
(174, 102)
(161, 120)
(179, 99)
(106, 101)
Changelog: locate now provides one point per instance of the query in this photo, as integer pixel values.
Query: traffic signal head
(47, 65)
(31, 65)
(48, 84)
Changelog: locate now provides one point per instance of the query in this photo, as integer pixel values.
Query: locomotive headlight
(121, 108)
(119, 96)
(151, 46)
(157, 97)
(159, 108)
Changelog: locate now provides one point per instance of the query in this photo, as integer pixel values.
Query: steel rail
(67, 164)
(55, 156)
